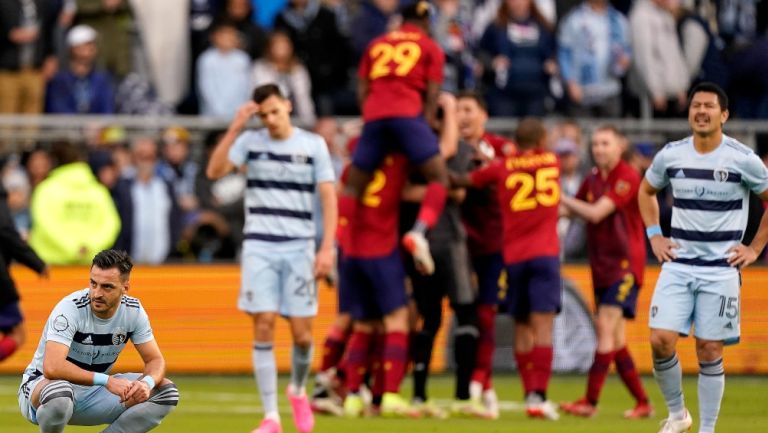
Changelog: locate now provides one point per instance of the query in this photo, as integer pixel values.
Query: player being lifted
(607, 200)
(285, 167)
(710, 175)
(528, 191)
(68, 380)
(398, 85)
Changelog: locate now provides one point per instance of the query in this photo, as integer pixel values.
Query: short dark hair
(475, 96)
(417, 11)
(530, 131)
(261, 93)
(609, 127)
(708, 87)
(222, 23)
(119, 259)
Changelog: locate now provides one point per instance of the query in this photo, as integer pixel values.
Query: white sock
(265, 372)
(711, 387)
(669, 376)
(301, 361)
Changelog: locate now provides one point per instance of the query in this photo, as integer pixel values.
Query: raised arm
(219, 164)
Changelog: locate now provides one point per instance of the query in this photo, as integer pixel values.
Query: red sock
(356, 359)
(628, 373)
(541, 357)
(433, 204)
(395, 359)
(597, 375)
(333, 348)
(525, 368)
(376, 364)
(8, 345)
(347, 211)
(486, 343)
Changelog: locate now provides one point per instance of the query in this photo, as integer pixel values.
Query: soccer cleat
(416, 244)
(469, 409)
(327, 406)
(677, 425)
(641, 410)
(428, 409)
(395, 406)
(303, 417)
(543, 410)
(491, 403)
(269, 425)
(353, 406)
(580, 407)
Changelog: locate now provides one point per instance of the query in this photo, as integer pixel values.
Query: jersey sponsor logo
(700, 190)
(622, 187)
(60, 323)
(119, 336)
(720, 175)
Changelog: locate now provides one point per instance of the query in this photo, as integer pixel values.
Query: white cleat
(416, 244)
(677, 425)
(544, 410)
(491, 403)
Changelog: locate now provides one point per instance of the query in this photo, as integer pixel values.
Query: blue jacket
(69, 94)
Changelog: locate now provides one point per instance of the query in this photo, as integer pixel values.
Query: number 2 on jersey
(403, 54)
(546, 186)
(376, 184)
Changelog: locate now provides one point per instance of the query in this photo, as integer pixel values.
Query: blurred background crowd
(145, 191)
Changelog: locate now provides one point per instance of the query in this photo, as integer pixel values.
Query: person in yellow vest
(73, 215)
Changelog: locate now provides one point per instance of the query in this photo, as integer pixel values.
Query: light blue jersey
(711, 201)
(282, 180)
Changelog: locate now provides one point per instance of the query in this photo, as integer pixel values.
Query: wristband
(653, 231)
(149, 381)
(100, 379)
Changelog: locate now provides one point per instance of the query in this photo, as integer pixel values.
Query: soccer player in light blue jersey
(68, 380)
(286, 166)
(710, 175)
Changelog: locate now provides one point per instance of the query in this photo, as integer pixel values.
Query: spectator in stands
(16, 185)
(26, 54)
(73, 216)
(453, 35)
(700, 46)
(659, 72)
(81, 88)
(313, 30)
(282, 67)
(253, 39)
(518, 53)
(223, 73)
(180, 170)
(594, 53)
(374, 18)
(571, 231)
(749, 69)
(37, 164)
(147, 206)
(113, 21)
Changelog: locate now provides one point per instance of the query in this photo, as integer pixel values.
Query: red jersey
(480, 209)
(616, 245)
(374, 231)
(398, 66)
(528, 192)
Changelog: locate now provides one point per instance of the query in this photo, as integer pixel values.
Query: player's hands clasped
(741, 256)
(663, 248)
(139, 392)
(118, 386)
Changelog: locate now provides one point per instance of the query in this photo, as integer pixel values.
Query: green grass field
(230, 404)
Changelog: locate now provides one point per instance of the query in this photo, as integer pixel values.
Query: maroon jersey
(616, 245)
(528, 192)
(374, 231)
(398, 66)
(480, 209)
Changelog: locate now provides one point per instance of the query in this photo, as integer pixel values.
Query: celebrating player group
(433, 206)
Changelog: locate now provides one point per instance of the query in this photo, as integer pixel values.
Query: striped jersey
(711, 196)
(282, 176)
(94, 343)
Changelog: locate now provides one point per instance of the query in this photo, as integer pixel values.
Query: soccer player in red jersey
(528, 192)
(481, 215)
(398, 85)
(607, 200)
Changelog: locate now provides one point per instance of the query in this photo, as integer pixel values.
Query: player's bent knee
(56, 404)
(167, 394)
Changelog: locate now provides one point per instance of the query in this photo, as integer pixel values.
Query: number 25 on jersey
(399, 58)
(539, 189)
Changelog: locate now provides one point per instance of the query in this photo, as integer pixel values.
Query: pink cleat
(302, 411)
(269, 425)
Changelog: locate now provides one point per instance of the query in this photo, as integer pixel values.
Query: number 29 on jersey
(393, 59)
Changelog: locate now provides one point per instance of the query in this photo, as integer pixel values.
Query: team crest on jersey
(60, 323)
(622, 187)
(119, 336)
(720, 175)
(299, 158)
(654, 311)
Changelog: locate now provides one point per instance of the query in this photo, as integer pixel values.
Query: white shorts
(94, 405)
(278, 280)
(712, 307)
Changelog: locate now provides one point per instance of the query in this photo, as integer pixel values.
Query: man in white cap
(81, 87)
